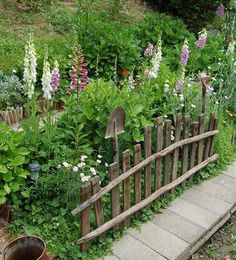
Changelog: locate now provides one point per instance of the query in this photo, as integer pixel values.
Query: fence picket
(167, 157)
(98, 208)
(126, 187)
(200, 144)
(208, 140)
(186, 147)
(212, 149)
(159, 146)
(148, 152)
(137, 177)
(176, 152)
(195, 128)
(85, 194)
(115, 193)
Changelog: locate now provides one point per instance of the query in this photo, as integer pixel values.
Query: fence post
(148, 152)
(186, 147)
(98, 204)
(208, 140)
(85, 193)
(212, 149)
(137, 177)
(115, 193)
(126, 191)
(195, 128)
(159, 147)
(167, 158)
(176, 152)
(200, 144)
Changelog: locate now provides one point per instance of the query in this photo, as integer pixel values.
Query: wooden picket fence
(191, 150)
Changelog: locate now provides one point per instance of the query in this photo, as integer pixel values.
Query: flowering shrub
(11, 92)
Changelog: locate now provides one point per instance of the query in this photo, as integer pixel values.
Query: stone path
(185, 226)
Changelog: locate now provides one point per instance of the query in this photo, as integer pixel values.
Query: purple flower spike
(220, 10)
(201, 42)
(55, 78)
(149, 50)
(179, 85)
(184, 54)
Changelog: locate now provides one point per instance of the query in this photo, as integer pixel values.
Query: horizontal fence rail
(172, 156)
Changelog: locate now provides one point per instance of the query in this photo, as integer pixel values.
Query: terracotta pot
(26, 248)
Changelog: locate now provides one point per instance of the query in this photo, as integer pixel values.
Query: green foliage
(13, 158)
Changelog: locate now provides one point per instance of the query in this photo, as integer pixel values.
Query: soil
(222, 245)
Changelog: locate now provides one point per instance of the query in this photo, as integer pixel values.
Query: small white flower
(189, 85)
(58, 166)
(106, 164)
(80, 165)
(209, 67)
(213, 78)
(182, 105)
(219, 63)
(181, 97)
(217, 103)
(81, 174)
(99, 156)
(165, 116)
(83, 179)
(99, 161)
(226, 97)
(14, 71)
(193, 106)
(83, 157)
(93, 171)
(65, 164)
(75, 169)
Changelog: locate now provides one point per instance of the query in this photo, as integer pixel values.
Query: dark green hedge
(195, 13)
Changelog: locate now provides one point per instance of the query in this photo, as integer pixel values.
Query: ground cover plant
(92, 60)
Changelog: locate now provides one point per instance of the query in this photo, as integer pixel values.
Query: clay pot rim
(28, 236)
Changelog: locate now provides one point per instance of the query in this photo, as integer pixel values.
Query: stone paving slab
(111, 258)
(179, 226)
(162, 241)
(218, 191)
(206, 201)
(130, 248)
(226, 181)
(193, 212)
(231, 171)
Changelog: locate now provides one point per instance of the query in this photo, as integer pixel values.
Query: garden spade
(204, 79)
(116, 126)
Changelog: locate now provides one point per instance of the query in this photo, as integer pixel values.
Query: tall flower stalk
(55, 78)
(79, 73)
(30, 64)
(201, 42)
(156, 61)
(46, 78)
(183, 62)
(220, 10)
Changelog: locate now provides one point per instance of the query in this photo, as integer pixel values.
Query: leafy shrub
(12, 162)
(11, 92)
(196, 14)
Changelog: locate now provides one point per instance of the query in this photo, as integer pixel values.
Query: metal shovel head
(117, 119)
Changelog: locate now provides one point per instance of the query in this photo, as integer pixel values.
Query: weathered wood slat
(137, 176)
(195, 128)
(115, 193)
(148, 152)
(126, 186)
(201, 142)
(85, 194)
(186, 147)
(98, 208)
(208, 140)
(176, 152)
(212, 149)
(146, 201)
(142, 164)
(167, 158)
(158, 162)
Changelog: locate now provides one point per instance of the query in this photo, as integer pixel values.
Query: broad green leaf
(25, 194)
(3, 169)
(23, 151)
(23, 174)
(7, 188)
(18, 160)
(2, 199)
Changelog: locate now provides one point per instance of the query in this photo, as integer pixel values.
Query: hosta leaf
(3, 169)
(7, 188)
(18, 160)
